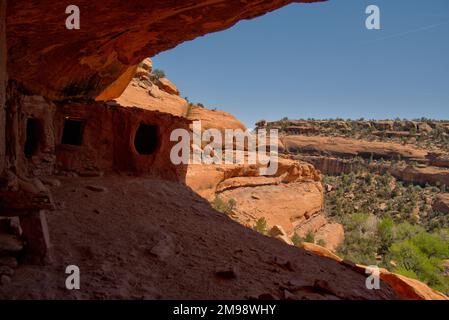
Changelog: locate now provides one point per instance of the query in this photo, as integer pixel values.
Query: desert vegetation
(157, 74)
(391, 225)
(226, 207)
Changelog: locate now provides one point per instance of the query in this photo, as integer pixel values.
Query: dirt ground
(148, 239)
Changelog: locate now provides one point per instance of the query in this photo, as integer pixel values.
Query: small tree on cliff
(157, 74)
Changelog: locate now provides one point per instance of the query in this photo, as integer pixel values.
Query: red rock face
(2, 83)
(114, 36)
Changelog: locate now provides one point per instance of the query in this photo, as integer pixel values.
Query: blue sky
(319, 60)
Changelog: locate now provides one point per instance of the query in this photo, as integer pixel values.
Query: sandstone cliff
(115, 36)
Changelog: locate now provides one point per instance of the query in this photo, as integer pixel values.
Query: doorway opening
(33, 137)
(146, 139)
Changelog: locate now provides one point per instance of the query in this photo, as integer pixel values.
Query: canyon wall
(2, 82)
(349, 148)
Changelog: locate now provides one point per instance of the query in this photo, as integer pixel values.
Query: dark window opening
(146, 140)
(33, 136)
(73, 132)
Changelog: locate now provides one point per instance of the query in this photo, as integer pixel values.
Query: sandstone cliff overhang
(114, 36)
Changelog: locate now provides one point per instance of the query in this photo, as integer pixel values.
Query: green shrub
(261, 226)
(422, 256)
(385, 235)
(157, 74)
(189, 109)
(310, 237)
(296, 239)
(224, 207)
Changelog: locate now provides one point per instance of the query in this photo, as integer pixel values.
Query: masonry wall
(102, 139)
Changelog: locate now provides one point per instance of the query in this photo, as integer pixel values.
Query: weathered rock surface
(144, 69)
(292, 199)
(278, 232)
(166, 85)
(422, 175)
(206, 180)
(216, 119)
(288, 205)
(114, 37)
(321, 251)
(3, 80)
(438, 159)
(410, 289)
(152, 98)
(331, 233)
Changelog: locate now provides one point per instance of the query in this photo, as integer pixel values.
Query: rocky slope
(131, 240)
(289, 199)
(147, 95)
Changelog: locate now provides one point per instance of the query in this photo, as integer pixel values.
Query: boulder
(319, 250)
(424, 127)
(96, 188)
(144, 69)
(278, 232)
(147, 65)
(333, 234)
(166, 85)
(410, 289)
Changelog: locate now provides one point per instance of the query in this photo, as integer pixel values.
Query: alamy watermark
(373, 280)
(372, 22)
(73, 20)
(72, 282)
